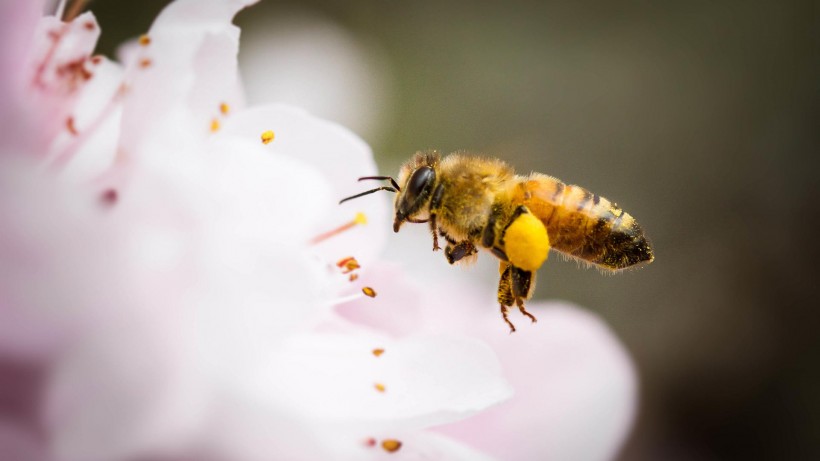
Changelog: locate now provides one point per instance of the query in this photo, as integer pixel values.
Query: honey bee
(480, 203)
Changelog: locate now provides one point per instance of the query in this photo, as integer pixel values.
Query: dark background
(700, 118)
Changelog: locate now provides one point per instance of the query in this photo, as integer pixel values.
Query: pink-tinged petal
(20, 444)
(341, 157)
(414, 383)
(575, 390)
(17, 35)
(124, 394)
(396, 309)
(58, 68)
(86, 146)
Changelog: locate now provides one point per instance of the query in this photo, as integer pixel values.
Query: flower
(161, 291)
(171, 285)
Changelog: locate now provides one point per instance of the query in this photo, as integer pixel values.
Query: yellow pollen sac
(369, 292)
(360, 218)
(214, 125)
(526, 242)
(224, 108)
(391, 445)
(144, 40)
(378, 352)
(380, 387)
(267, 137)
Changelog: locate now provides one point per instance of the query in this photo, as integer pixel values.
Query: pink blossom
(161, 290)
(164, 295)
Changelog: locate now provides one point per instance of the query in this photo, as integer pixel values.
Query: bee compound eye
(418, 185)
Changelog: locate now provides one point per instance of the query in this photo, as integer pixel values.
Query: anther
(144, 40)
(380, 387)
(348, 264)
(378, 352)
(145, 63)
(267, 136)
(224, 108)
(70, 126)
(369, 292)
(391, 445)
(214, 125)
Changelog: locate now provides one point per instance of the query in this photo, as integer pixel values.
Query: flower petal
(426, 380)
(575, 390)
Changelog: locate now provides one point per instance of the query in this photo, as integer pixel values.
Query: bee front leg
(434, 231)
(523, 285)
(435, 205)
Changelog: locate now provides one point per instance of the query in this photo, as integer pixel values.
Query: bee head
(415, 195)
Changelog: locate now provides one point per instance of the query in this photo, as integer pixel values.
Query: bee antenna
(387, 188)
(382, 178)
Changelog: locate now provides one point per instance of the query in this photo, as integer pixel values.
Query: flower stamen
(380, 387)
(144, 40)
(348, 264)
(369, 292)
(359, 219)
(378, 352)
(215, 125)
(224, 108)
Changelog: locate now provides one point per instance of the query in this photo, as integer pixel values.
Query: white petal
(183, 75)
(341, 157)
(428, 380)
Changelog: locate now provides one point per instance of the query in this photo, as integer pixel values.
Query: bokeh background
(700, 118)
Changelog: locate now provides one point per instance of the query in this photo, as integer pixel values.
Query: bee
(476, 203)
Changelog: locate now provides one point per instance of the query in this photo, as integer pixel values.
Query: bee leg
(434, 231)
(505, 293)
(435, 205)
(522, 284)
(456, 251)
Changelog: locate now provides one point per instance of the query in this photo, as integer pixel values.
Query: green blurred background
(700, 118)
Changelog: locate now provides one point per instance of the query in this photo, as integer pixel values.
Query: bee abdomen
(585, 225)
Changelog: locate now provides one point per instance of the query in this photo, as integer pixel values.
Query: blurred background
(699, 118)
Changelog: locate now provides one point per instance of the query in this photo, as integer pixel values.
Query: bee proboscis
(480, 203)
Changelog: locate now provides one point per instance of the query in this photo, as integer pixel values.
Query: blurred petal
(576, 391)
(333, 378)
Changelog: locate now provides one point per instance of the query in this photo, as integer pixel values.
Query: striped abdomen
(583, 224)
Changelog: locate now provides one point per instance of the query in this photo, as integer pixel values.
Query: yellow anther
(378, 352)
(144, 40)
(360, 218)
(224, 108)
(267, 137)
(380, 387)
(214, 125)
(369, 292)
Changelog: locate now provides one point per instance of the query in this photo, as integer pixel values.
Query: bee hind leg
(522, 284)
(505, 293)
